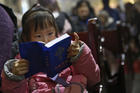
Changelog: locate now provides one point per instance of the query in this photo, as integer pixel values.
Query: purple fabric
(6, 36)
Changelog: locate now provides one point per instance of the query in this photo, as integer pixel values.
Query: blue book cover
(50, 58)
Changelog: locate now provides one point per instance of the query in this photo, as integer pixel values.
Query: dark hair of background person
(80, 2)
(130, 13)
(113, 12)
(50, 4)
(106, 3)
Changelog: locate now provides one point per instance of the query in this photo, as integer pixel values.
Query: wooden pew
(115, 41)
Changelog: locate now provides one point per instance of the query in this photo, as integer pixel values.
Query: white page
(51, 43)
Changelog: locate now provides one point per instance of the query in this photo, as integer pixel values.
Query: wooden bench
(115, 42)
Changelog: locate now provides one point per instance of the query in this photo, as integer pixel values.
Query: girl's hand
(20, 67)
(74, 47)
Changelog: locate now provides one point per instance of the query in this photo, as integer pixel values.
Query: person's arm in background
(6, 36)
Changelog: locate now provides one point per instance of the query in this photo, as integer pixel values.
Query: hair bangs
(41, 21)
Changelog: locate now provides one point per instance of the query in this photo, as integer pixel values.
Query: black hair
(37, 17)
(105, 2)
(80, 2)
(52, 5)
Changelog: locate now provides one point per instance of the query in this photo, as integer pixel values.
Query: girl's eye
(50, 33)
(38, 36)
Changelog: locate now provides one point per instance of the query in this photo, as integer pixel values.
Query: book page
(51, 43)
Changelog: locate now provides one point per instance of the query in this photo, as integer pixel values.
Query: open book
(50, 58)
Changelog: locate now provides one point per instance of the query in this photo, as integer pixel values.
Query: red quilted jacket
(84, 71)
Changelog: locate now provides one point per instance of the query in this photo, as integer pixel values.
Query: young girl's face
(44, 35)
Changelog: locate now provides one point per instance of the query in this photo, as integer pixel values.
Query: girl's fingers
(72, 53)
(21, 68)
(76, 41)
(74, 48)
(21, 63)
(24, 61)
(22, 72)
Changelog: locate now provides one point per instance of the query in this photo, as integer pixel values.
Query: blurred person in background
(131, 13)
(112, 12)
(137, 18)
(6, 36)
(82, 12)
(106, 21)
(62, 19)
(133, 21)
(135, 61)
(121, 12)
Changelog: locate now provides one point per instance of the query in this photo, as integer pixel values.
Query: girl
(39, 25)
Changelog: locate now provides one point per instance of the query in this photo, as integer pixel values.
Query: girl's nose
(46, 39)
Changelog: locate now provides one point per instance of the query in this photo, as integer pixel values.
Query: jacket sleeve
(86, 65)
(12, 83)
(6, 37)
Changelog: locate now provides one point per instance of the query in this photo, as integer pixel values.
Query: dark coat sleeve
(6, 36)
